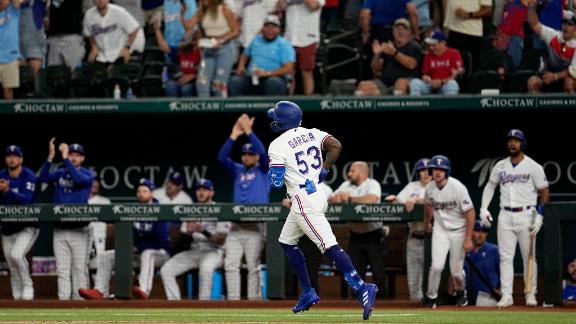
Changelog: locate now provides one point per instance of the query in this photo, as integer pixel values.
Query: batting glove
(323, 175)
(535, 228)
(485, 218)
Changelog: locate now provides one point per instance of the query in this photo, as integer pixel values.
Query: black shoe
(429, 302)
(461, 299)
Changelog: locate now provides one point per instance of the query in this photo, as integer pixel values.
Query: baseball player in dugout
(151, 243)
(521, 179)
(482, 269)
(73, 184)
(367, 239)
(17, 187)
(172, 192)
(296, 160)
(449, 204)
(205, 253)
(413, 194)
(251, 186)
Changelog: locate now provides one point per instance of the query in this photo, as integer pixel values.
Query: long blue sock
(298, 263)
(344, 265)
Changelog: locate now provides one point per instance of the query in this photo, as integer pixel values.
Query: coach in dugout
(483, 277)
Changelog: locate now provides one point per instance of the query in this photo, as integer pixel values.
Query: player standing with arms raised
(521, 179)
(448, 201)
(296, 160)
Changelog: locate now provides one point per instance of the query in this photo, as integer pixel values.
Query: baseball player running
(521, 179)
(73, 185)
(296, 160)
(205, 254)
(17, 186)
(413, 194)
(448, 201)
(151, 242)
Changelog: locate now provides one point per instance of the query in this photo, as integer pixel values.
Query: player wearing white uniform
(296, 160)
(520, 179)
(96, 230)
(448, 201)
(413, 194)
(205, 253)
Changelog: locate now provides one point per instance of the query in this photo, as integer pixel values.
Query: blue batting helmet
(441, 162)
(286, 115)
(422, 164)
(519, 135)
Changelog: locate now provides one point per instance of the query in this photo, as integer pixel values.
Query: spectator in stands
(271, 63)
(303, 32)
(96, 230)
(152, 10)
(464, 24)
(73, 184)
(175, 13)
(251, 15)
(251, 186)
(330, 12)
(134, 7)
(113, 33)
(17, 187)
(152, 243)
(172, 192)
(510, 34)
(219, 29)
(32, 36)
(205, 253)
(367, 239)
(188, 56)
(425, 23)
(64, 29)
(550, 14)
(10, 48)
(486, 258)
(394, 63)
(561, 52)
(411, 195)
(442, 65)
(378, 18)
(569, 285)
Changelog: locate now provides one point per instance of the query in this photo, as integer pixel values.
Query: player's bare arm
(470, 217)
(544, 195)
(428, 212)
(333, 147)
(365, 199)
(51, 149)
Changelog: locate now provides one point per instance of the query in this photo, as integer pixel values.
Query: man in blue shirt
(10, 48)
(271, 62)
(377, 18)
(73, 184)
(251, 186)
(487, 260)
(17, 186)
(569, 285)
(151, 243)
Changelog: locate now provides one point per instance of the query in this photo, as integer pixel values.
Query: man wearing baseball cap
(73, 184)
(569, 285)
(265, 64)
(172, 193)
(17, 186)
(487, 260)
(442, 65)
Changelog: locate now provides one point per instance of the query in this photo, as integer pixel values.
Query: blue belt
(516, 209)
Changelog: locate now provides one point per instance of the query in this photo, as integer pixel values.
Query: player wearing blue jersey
(17, 186)
(73, 184)
(296, 160)
(251, 186)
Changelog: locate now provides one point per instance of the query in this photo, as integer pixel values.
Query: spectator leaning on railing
(10, 49)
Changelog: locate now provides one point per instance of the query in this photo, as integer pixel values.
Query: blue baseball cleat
(366, 298)
(305, 301)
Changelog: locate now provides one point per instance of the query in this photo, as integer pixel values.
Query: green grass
(468, 315)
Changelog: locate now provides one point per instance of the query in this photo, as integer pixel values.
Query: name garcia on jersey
(301, 140)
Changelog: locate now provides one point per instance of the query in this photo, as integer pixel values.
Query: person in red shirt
(183, 82)
(442, 65)
(510, 34)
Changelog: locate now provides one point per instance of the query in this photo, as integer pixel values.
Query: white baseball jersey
(369, 186)
(519, 184)
(300, 151)
(302, 25)
(450, 203)
(181, 198)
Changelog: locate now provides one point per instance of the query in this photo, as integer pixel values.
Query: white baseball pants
(16, 247)
(248, 243)
(415, 267)
(71, 254)
(444, 241)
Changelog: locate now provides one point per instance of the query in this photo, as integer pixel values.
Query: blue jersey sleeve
(82, 177)
(26, 189)
(261, 150)
(224, 157)
(45, 175)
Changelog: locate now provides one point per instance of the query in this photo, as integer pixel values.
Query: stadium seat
(87, 81)
(124, 75)
(529, 66)
(494, 68)
(464, 78)
(27, 87)
(153, 55)
(151, 81)
(54, 81)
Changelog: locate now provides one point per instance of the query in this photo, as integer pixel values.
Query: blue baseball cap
(479, 227)
(176, 178)
(146, 182)
(13, 150)
(4, 175)
(76, 148)
(204, 183)
(248, 148)
(437, 36)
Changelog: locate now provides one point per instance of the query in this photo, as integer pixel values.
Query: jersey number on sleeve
(312, 150)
